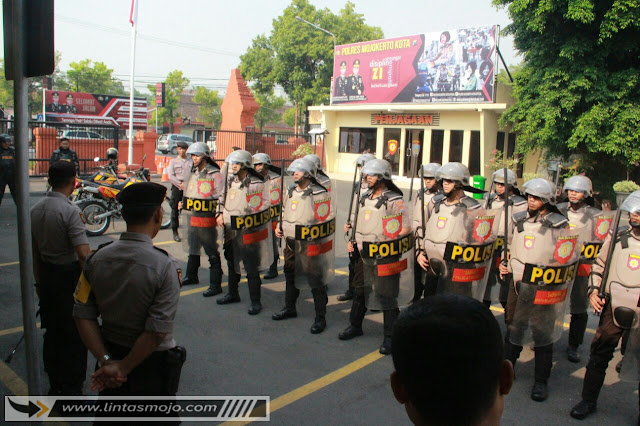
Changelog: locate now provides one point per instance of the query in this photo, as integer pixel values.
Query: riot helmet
(200, 149)
(632, 205)
(364, 158)
(261, 158)
(377, 167)
(541, 188)
(315, 160)
(241, 157)
(579, 183)
(5, 138)
(112, 154)
(498, 177)
(429, 170)
(455, 171)
(302, 165)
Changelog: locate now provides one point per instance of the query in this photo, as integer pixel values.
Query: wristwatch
(103, 359)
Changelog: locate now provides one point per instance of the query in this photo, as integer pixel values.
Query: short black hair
(448, 354)
(61, 173)
(138, 214)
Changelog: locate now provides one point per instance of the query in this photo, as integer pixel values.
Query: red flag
(133, 14)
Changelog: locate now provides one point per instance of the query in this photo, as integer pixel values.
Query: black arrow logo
(31, 409)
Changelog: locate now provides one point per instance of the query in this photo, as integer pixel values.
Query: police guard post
(134, 287)
(543, 258)
(359, 184)
(497, 288)
(614, 294)
(593, 225)
(320, 176)
(60, 247)
(383, 278)
(246, 217)
(273, 177)
(202, 187)
(454, 221)
(429, 187)
(308, 226)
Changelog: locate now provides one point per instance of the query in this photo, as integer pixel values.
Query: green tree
(175, 83)
(90, 77)
(299, 57)
(289, 117)
(578, 89)
(269, 107)
(208, 106)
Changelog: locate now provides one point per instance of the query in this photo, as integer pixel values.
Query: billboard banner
(449, 66)
(89, 108)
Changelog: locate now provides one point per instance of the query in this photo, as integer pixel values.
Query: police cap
(62, 169)
(142, 194)
(69, 96)
(182, 144)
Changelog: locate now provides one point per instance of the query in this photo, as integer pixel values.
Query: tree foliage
(208, 106)
(93, 77)
(299, 57)
(579, 87)
(269, 107)
(175, 83)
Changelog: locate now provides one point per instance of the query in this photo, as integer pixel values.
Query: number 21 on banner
(377, 73)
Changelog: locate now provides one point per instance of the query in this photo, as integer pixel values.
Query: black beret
(142, 194)
(62, 169)
(69, 96)
(182, 144)
(55, 94)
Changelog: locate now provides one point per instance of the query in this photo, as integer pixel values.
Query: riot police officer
(532, 238)
(272, 175)
(64, 153)
(432, 186)
(617, 312)
(384, 282)
(202, 189)
(358, 187)
(321, 177)
(496, 200)
(581, 215)
(308, 260)
(246, 219)
(7, 167)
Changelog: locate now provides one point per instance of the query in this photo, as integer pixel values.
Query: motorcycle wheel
(90, 210)
(166, 214)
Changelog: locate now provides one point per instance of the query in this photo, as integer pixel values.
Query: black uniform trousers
(176, 197)
(7, 181)
(358, 307)
(253, 276)
(64, 354)
(543, 354)
(319, 292)
(603, 345)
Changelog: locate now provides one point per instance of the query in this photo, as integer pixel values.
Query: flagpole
(134, 22)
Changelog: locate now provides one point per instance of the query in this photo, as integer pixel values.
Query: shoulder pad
(563, 207)
(517, 200)
(290, 189)
(492, 196)
(365, 195)
(318, 189)
(163, 251)
(556, 220)
(520, 216)
(469, 202)
(57, 151)
(392, 195)
(96, 250)
(438, 198)
(593, 211)
(209, 168)
(255, 179)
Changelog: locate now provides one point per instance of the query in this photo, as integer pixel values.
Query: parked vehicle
(167, 143)
(81, 134)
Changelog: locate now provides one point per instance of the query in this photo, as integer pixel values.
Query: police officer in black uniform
(70, 108)
(7, 167)
(64, 153)
(356, 85)
(342, 81)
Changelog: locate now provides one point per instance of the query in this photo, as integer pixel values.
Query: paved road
(311, 379)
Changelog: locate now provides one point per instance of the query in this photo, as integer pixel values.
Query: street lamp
(321, 29)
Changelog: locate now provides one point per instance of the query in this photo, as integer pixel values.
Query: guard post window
(357, 140)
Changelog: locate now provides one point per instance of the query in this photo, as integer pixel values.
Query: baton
(506, 218)
(607, 266)
(15, 348)
(353, 193)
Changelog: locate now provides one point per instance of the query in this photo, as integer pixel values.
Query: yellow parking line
(8, 264)
(11, 380)
(164, 242)
(14, 330)
(316, 385)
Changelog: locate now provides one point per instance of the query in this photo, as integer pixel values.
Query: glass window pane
(437, 142)
(455, 145)
(357, 140)
(394, 159)
(474, 153)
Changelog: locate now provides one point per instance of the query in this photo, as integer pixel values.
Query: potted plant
(623, 188)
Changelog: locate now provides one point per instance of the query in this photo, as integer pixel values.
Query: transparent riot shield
(315, 254)
(544, 263)
(467, 259)
(275, 196)
(593, 235)
(249, 227)
(388, 263)
(630, 371)
(199, 206)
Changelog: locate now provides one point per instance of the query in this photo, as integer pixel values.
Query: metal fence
(88, 142)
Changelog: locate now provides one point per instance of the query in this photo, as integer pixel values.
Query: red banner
(203, 222)
(318, 249)
(255, 237)
(550, 297)
(88, 108)
(394, 268)
(468, 275)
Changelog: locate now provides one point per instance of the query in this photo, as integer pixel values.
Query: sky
(205, 39)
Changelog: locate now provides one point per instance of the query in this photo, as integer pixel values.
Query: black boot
(355, 319)
(176, 236)
(254, 284)
(390, 317)
(291, 294)
(577, 327)
(193, 263)
(583, 409)
(511, 351)
(232, 295)
(542, 371)
(318, 325)
(215, 279)
(272, 272)
(539, 391)
(320, 301)
(348, 295)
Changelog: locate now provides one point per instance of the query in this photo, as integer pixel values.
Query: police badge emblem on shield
(392, 225)
(322, 209)
(482, 228)
(254, 200)
(633, 262)
(602, 227)
(564, 249)
(529, 242)
(275, 196)
(205, 188)
(441, 223)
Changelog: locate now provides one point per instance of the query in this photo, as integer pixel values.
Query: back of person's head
(61, 174)
(140, 201)
(449, 362)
